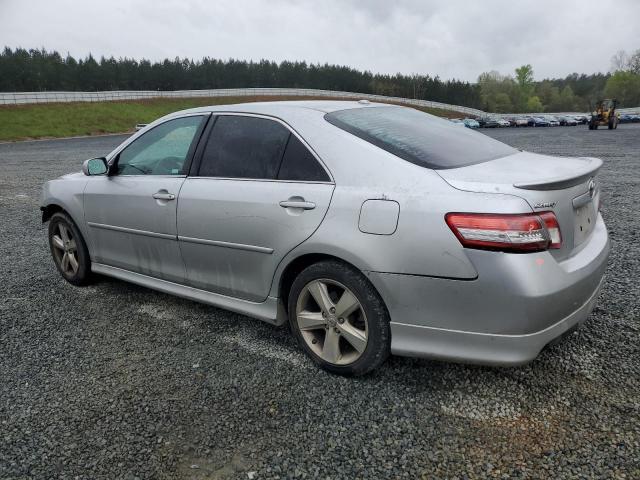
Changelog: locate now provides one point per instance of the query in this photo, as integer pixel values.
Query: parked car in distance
(531, 122)
(540, 122)
(370, 229)
(471, 123)
(629, 118)
(521, 122)
(553, 121)
(582, 119)
(567, 120)
(489, 122)
(503, 122)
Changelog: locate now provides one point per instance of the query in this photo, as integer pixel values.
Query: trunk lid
(565, 186)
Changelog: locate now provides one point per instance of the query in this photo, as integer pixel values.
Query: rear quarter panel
(422, 244)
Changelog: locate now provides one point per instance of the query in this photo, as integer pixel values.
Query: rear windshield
(418, 137)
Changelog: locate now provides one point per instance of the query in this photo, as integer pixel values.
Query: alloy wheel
(65, 250)
(332, 321)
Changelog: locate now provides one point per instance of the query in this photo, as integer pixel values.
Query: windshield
(418, 137)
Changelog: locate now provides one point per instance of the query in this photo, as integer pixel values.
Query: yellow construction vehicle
(604, 115)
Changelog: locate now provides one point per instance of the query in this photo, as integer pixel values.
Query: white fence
(19, 98)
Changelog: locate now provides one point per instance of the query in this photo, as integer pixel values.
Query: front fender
(66, 193)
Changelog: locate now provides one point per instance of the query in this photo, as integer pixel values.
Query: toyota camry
(370, 229)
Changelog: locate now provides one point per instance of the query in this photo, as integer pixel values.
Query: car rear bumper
(516, 306)
(482, 348)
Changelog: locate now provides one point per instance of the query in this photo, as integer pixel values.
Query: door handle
(163, 195)
(298, 204)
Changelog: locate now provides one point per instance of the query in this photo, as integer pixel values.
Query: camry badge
(545, 205)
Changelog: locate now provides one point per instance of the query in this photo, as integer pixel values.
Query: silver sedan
(370, 229)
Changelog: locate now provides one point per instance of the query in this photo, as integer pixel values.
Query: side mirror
(95, 166)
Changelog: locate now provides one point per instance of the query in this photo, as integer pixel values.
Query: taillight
(529, 232)
(553, 228)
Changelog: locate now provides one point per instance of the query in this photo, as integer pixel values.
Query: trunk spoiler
(566, 181)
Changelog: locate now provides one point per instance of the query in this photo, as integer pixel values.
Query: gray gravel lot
(117, 381)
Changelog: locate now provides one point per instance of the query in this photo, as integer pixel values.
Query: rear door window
(418, 137)
(244, 147)
(298, 163)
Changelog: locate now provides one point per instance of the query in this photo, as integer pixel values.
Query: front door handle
(163, 195)
(298, 204)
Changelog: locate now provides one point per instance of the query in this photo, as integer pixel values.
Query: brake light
(529, 232)
(551, 223)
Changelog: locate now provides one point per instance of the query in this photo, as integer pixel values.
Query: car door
(131, 213)
(258, 192)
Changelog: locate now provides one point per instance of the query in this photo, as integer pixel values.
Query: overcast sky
(449, 38)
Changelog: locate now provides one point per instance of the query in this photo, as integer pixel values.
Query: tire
(322, 323)
(66, 241)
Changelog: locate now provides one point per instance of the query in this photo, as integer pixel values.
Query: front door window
(162, 150)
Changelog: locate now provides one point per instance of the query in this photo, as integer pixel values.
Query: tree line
(520, 93)
(43, 70)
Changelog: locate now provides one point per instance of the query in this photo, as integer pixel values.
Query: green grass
(57, 120)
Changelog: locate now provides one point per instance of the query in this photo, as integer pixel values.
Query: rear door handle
(163, 195)
(298, 204)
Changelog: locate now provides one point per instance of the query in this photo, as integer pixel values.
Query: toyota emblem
(592, 187)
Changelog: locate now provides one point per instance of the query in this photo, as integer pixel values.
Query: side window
(244, 147)
(299, 164)
(162, 150)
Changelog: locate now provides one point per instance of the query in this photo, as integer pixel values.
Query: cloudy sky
(449, 38)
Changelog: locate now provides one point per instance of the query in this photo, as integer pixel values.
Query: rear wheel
(339, 319)
(69, 250)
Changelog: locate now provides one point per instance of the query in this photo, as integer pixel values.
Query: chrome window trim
(313, 182)
(141, 176)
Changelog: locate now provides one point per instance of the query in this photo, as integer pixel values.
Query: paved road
(117, 381)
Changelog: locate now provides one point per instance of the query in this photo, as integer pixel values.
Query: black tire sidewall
(83, 274)
(378, 328)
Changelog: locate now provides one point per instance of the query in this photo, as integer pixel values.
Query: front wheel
(339, 319)
(68, 249)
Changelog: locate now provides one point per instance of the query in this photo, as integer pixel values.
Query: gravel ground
(117, 381)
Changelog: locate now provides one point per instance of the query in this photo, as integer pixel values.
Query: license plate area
(584, 222)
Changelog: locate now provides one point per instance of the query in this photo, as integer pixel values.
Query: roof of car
(324, 106)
